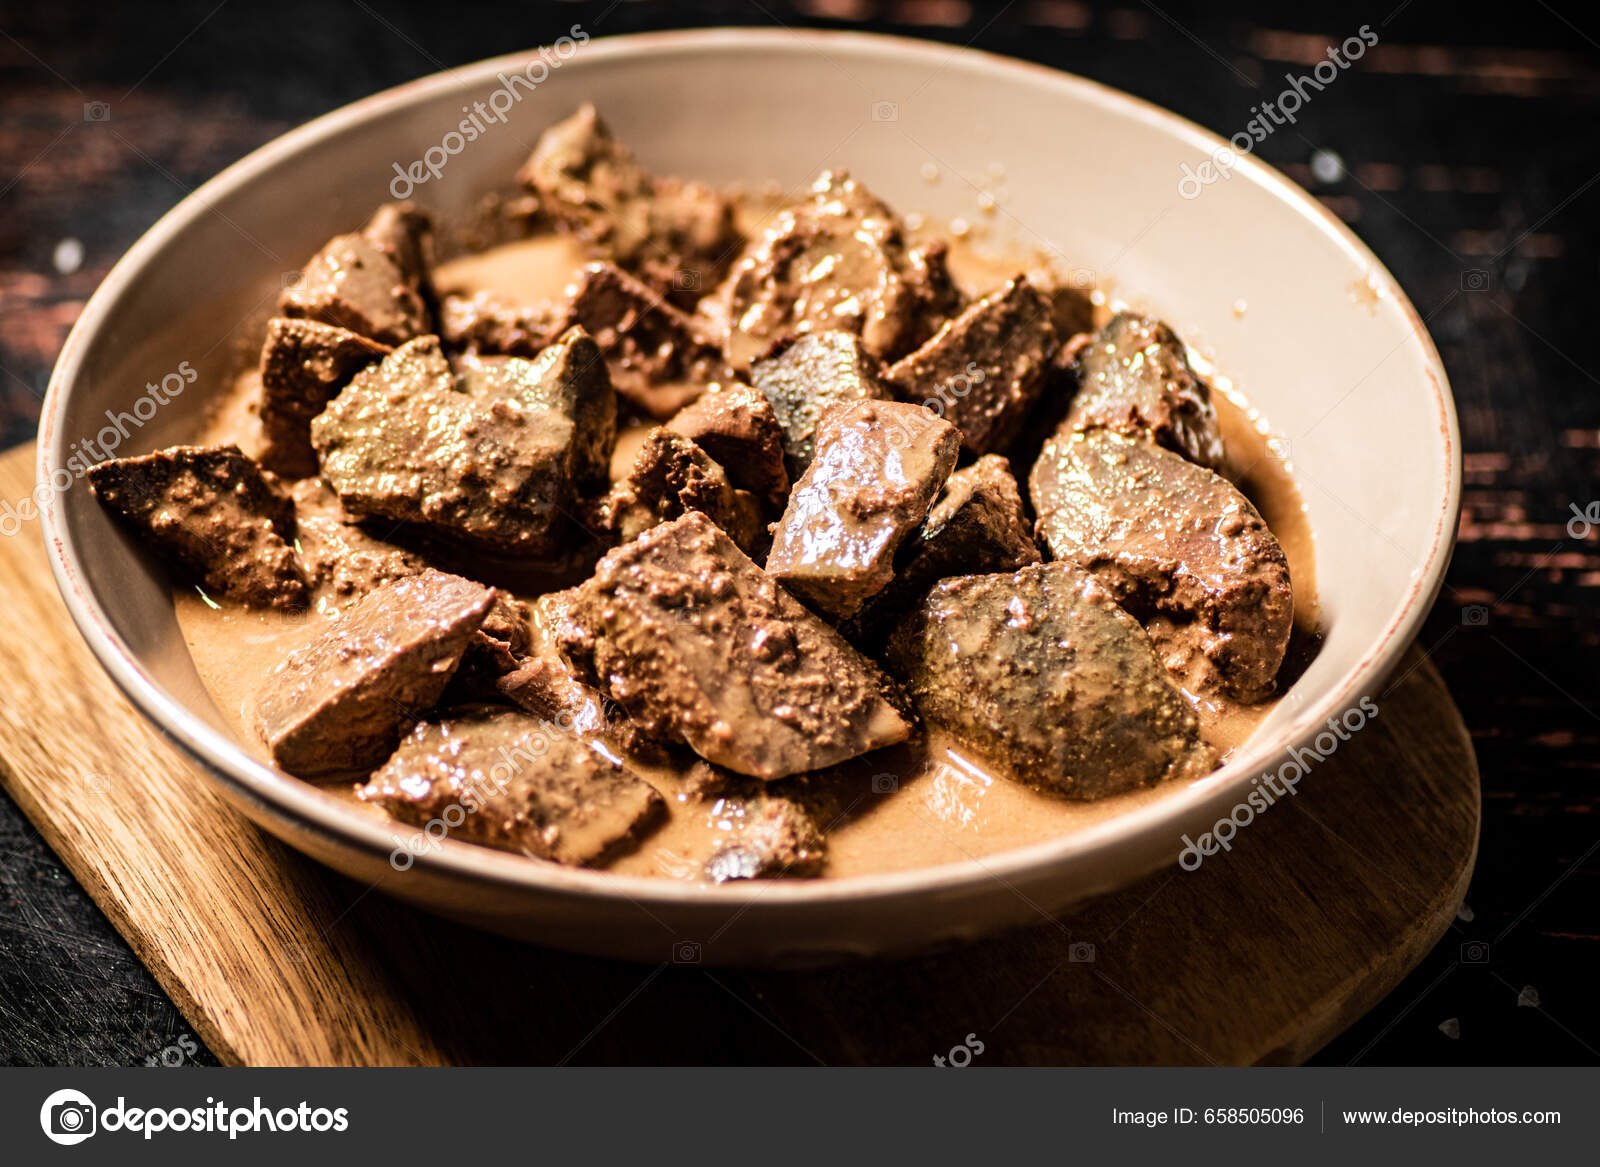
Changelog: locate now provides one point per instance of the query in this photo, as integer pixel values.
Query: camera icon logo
(1474, 615)
(67, 1117)
(96, 111)
(885, 111)
(885, 783)
(686, 279)
(1475, 279)
(1475, 952)
(686, 952)
(1081, 952)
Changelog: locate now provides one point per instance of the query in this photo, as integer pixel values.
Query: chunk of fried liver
(678, 236)
(493, 323)
(672, 475)
(493, 457)
(1135, 379)
(404, 232)
(878, 469)
(838, 259)
(340, 703)
(217, 513)
(343, 560)
(700, 645)
(737, 426)
(1045, 676)
(764, 830)
(805, 376)
(657, 361)
(304, 364)
(976, 527)
(519, 784)
(1179, 547)
(545, 684)
(355, 284)
(984, 369)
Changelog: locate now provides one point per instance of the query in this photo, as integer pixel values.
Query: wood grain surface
(1264, 954)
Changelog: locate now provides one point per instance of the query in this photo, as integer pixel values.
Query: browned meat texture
(672, 475)
(976, 527)
(495, 324)
(878, 468)
(303, 366)
(1045, 676)
(214, 511)
(984, 369)
(736, 425)
(404, 232)
(1179, 547)
(678, 236)
(837, 260)
(1135, 379)
(657, 361)
(701, 646)
(494, 457)
(803, 377)
(339, 704)
(344, 562)
(354, 284)
(505, 779)
(766, 830)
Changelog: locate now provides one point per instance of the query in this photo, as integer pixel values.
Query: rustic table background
(1462, 149)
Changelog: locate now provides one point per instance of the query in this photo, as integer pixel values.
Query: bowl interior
(1289, 307)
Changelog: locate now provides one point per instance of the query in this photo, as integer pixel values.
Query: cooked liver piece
(678, 236)
(805, 376)
(984, 370)
(1042, 674)
(354, 284)
(879, 466)
(404, 232)
(492, 458)
(492, 323)
(216, 512)
(672, 475)
(837, 260)
(657, 361)
(1179, 547)
(304, 364)
(339, 704)
(1135, 379)
(700, 645)
(736, 425)
(764, 834)
(343, 560)
(976, 527)
(518, 783)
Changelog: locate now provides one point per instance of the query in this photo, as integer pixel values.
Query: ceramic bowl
(1326, 346)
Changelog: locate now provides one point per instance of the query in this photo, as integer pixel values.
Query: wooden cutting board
(1263, 955)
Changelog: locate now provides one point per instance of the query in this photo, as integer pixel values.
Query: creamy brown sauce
(922, 804)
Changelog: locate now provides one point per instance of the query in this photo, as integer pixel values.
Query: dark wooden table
(1462, 149)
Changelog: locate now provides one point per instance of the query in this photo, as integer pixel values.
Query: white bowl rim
(308, 809)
